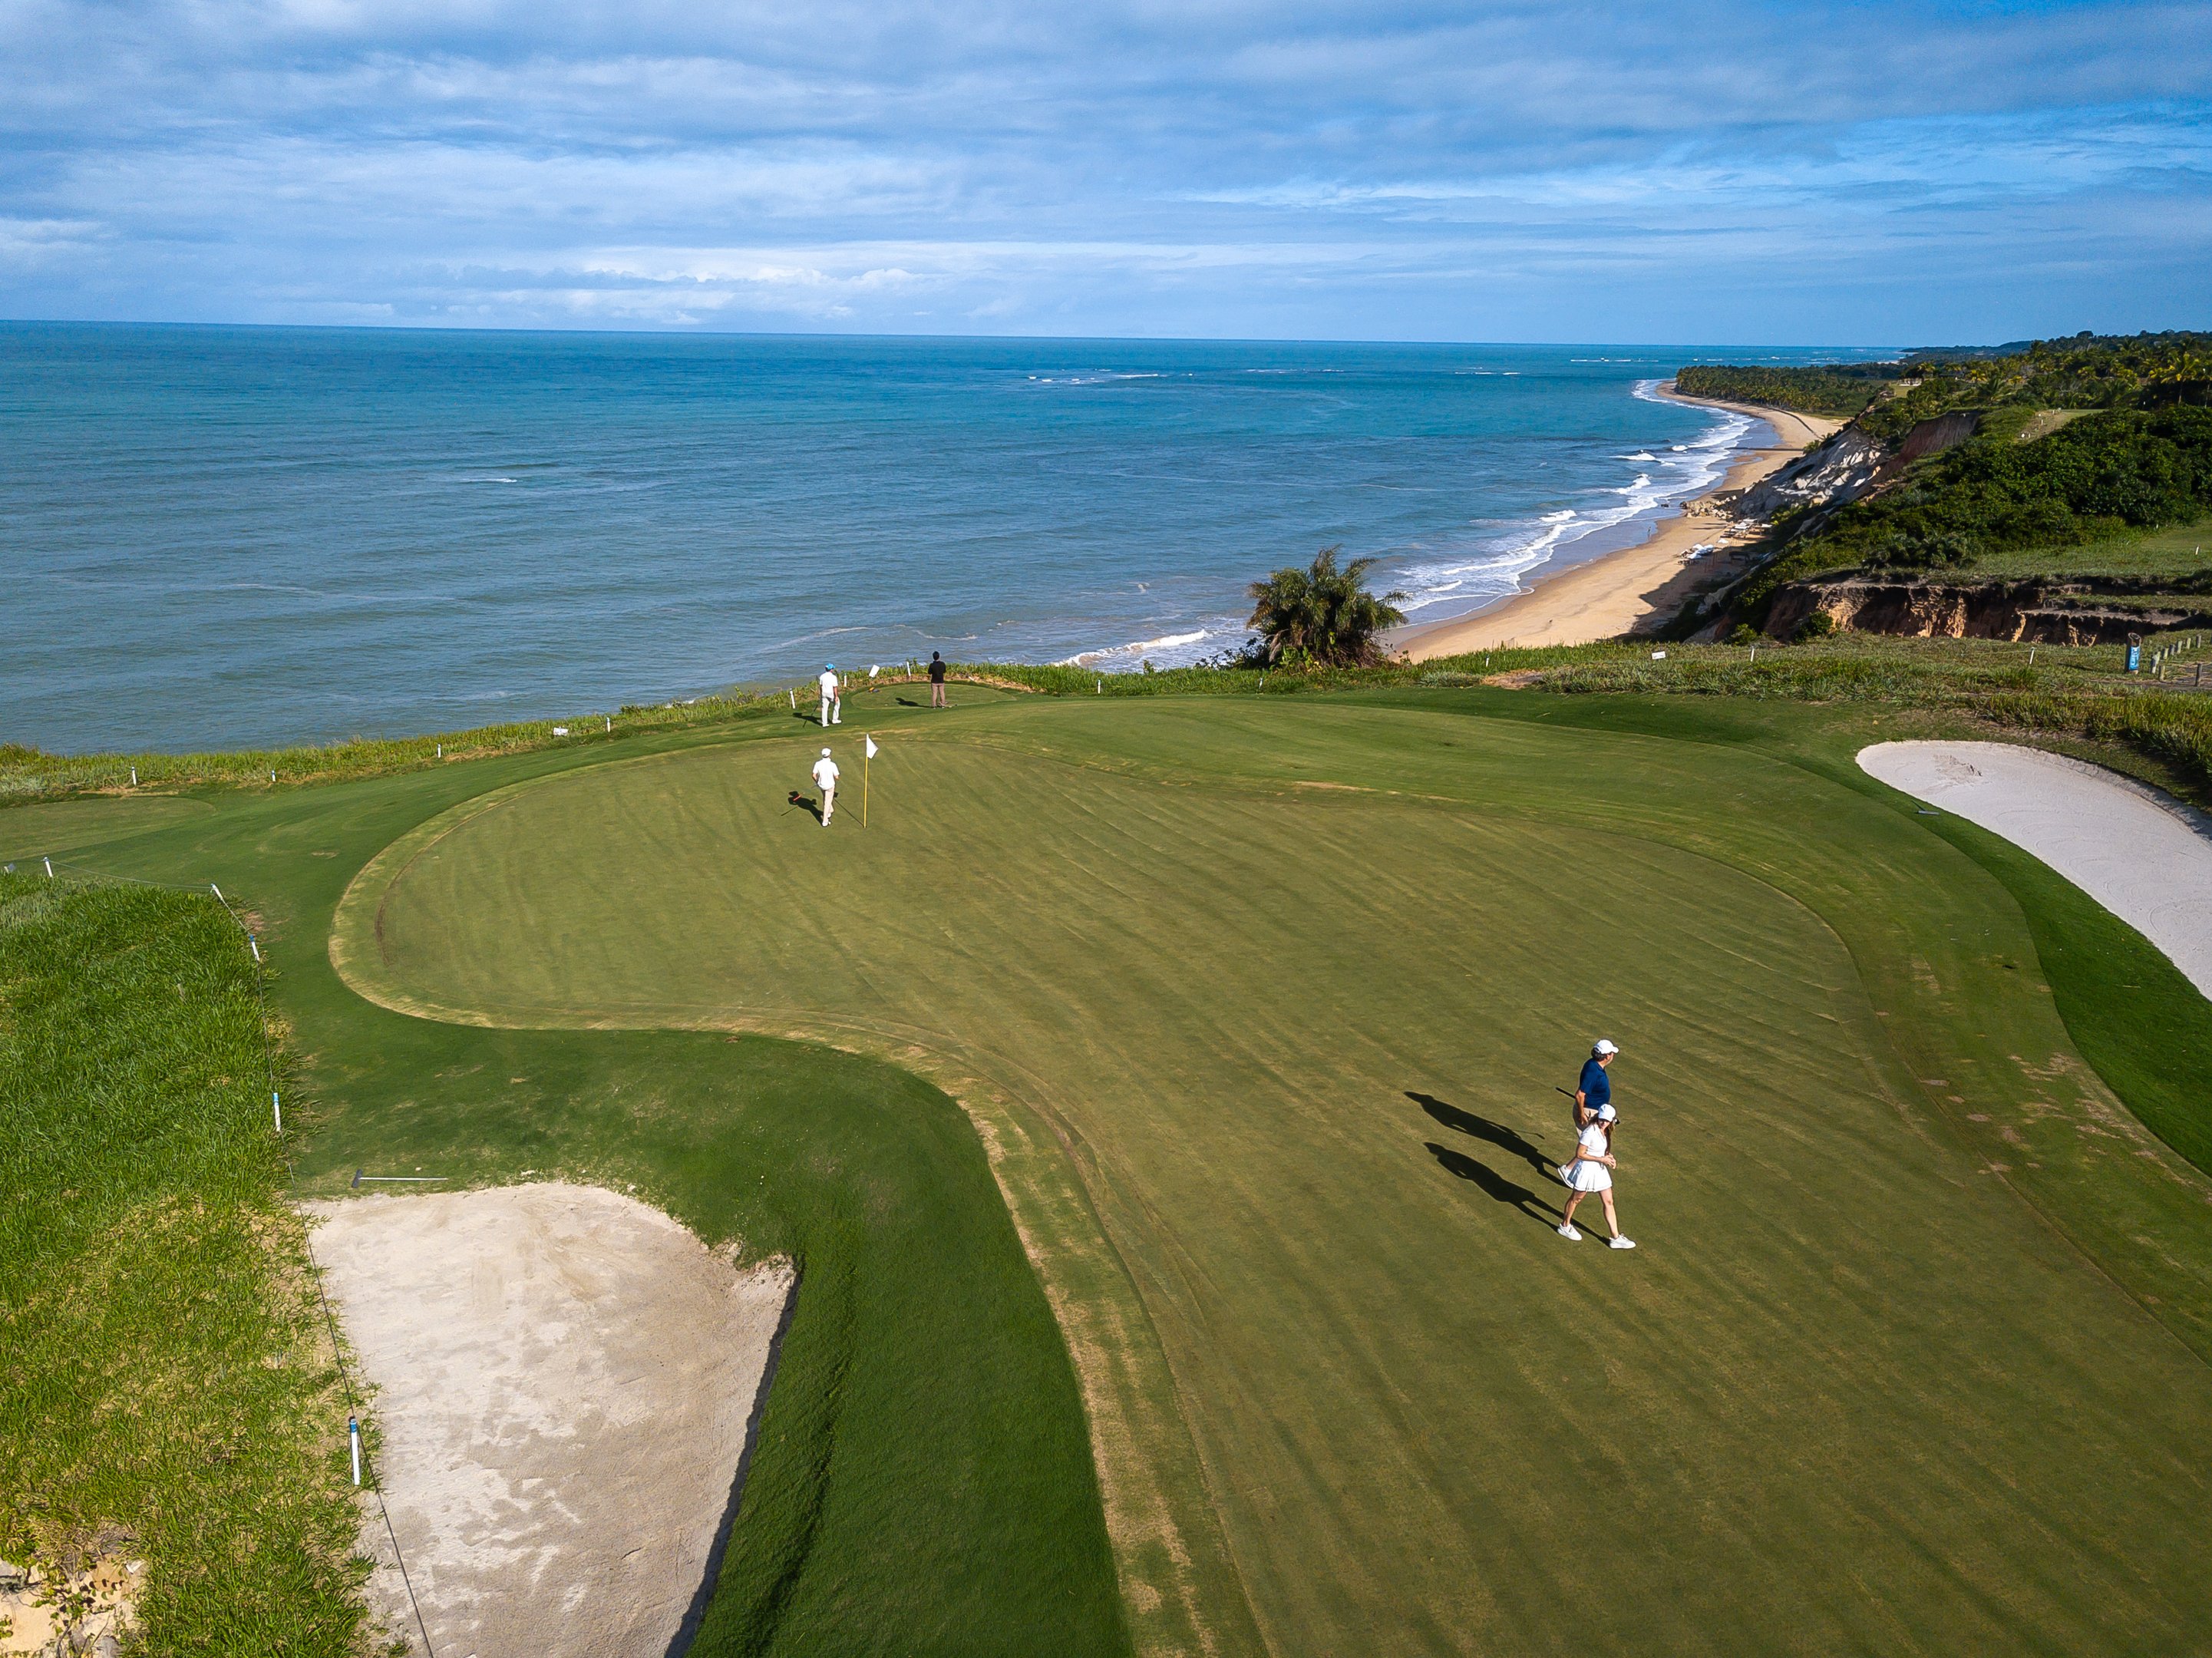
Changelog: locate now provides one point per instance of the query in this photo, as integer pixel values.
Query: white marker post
(134, 777)
(353, 1436)
(276, 1104)
(49, 863)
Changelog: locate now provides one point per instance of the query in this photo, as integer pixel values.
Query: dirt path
(565, 1382)
(2144, 857)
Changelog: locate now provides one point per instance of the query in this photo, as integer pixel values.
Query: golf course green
(1257, 1008)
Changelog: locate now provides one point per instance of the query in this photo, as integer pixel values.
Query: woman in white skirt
(1591, 1170)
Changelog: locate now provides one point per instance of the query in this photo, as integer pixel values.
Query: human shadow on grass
(1493, 1184)
(1483, 1129)
(805, 803)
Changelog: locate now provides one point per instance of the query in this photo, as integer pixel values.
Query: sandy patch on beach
(2142, 855)
(1611, 595)
(565, 1382)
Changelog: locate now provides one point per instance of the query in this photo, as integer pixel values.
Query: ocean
(216, 537)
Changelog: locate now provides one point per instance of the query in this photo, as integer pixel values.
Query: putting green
(1292, 985)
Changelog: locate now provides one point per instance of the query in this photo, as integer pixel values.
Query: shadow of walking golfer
(1493, 1184)
(1482, 1128)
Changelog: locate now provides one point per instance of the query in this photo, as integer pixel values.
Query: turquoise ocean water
(215, 538)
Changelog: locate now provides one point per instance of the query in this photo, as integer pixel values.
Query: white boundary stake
(49, 863)
(276, 1105)
(353, 1434)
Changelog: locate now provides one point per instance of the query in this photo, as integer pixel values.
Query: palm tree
(1322, 615)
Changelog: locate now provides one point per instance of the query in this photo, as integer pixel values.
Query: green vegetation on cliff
(2085, 481)
(1836, 391)
(2143, 371)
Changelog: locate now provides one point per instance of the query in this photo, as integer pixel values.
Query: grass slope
(1288, 981)
(166, 1376)
(2152, 555)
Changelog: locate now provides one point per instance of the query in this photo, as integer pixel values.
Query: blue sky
(1700, 172)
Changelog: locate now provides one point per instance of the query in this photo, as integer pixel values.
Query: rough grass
(166, 1376)
(2052, 691)
(2148, 555)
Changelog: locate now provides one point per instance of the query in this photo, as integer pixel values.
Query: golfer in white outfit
(826, 779)
(833, 701)
(1591, 1170)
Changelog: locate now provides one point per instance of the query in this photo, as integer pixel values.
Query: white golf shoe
(1619, 1244)
(1570, 1233)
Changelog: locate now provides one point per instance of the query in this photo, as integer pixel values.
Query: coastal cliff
(2080, 611)
(1983, 495)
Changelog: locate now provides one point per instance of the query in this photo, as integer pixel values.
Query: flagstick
(865, 758)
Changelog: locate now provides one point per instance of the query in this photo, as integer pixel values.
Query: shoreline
(1615, 592)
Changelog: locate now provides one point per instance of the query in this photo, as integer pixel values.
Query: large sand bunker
(565, 1382)
(2147, 859)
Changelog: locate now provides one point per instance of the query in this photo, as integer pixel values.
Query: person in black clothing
(936, 680)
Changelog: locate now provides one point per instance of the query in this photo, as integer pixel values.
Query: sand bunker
(566, 1378)
(2146, 857)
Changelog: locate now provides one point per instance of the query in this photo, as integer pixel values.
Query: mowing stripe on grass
(1305, 1037)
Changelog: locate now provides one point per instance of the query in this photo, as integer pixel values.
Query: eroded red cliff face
(2044, 613)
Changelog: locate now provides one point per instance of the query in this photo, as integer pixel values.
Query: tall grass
(166, 1385)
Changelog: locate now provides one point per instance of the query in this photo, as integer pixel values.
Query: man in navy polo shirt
(1595, 1088)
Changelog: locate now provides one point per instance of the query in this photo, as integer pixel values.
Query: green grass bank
(169, 1391)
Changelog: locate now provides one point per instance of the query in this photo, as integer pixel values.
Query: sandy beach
(1614, 593)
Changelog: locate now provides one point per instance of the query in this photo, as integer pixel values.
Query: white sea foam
(1169, 651)
(1492, 569)
(1462, 577)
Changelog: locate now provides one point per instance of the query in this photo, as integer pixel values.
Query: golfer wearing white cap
(1592, 1171)
(1595, 1088)
(826, 779)
(833, 701)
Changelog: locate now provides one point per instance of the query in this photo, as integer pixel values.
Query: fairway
(1292, 985)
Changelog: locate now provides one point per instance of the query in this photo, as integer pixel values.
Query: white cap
(825, 754)
(1607, 1113)
(1602, 1046)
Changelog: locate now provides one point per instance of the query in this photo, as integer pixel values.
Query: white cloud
(1334, 168)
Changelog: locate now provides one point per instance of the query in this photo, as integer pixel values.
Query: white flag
(874, 669)
(870, 742)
